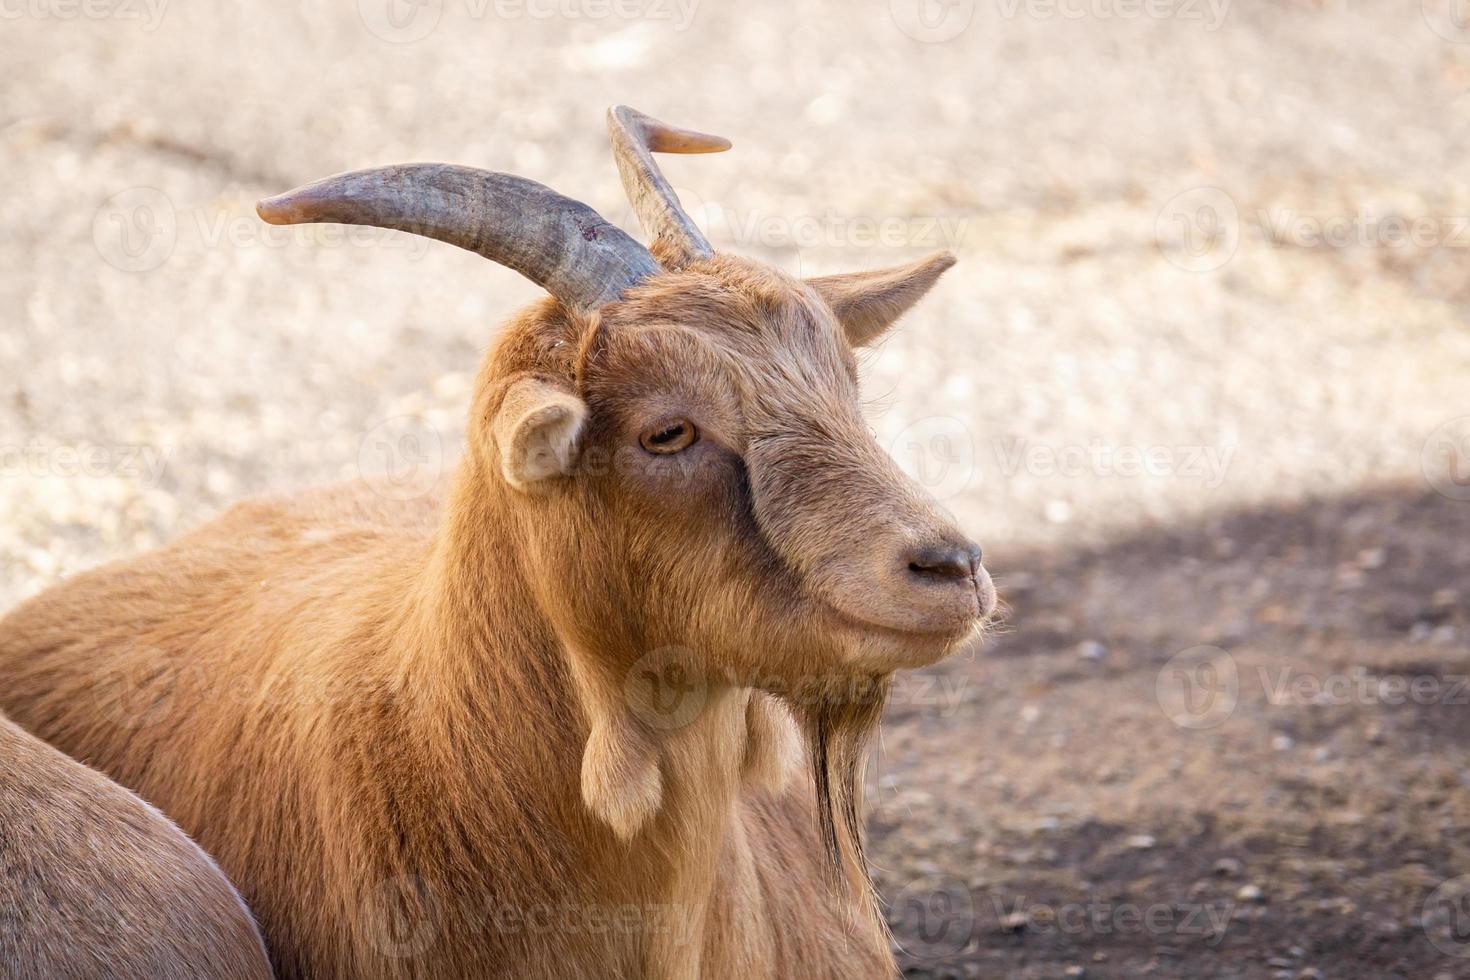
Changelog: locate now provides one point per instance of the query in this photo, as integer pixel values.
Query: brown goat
(95, 883)
(541, 723)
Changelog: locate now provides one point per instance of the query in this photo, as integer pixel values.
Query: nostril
(945, 561)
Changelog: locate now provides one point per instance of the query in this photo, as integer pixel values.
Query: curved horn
(635, 138)
(560, 244)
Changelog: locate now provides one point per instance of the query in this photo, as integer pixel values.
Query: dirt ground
(1199, 384)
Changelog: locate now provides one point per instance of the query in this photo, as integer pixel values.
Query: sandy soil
(1195, 383)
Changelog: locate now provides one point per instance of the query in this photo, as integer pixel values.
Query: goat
(96, 883)
(541, 721)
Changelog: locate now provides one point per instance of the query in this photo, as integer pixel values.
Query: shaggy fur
(95, 883)
(542, 725)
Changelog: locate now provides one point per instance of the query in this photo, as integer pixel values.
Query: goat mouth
(944, 636)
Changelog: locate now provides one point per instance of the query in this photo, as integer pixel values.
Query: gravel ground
(1194, 382)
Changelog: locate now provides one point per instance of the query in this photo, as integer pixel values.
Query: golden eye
(668, 438)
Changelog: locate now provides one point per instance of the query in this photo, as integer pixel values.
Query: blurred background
(1200, 383)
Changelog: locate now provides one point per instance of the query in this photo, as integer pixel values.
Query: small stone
(1371, 558)
(1141, 842)
(1419, 631)
(1091, 650)
(1309, 973)
(1250, 893)
(1013, 922)
(1443, 634)
(1282, 743)
(1227, 868)
(1444, 598)
(1321, 753)
(1075, 971)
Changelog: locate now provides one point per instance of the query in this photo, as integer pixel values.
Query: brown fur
(426, 737)
(95, 883)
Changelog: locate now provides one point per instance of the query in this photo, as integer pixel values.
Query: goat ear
(536, 431)
(868, 303)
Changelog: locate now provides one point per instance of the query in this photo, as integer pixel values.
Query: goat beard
(839, 728)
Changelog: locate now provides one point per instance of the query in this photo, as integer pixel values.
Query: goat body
(95, 883)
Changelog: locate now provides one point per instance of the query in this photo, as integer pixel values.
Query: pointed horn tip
(660, 137)
(276, 210)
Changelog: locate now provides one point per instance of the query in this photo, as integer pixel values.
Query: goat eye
(667, 438)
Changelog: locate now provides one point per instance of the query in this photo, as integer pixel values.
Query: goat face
(681, 434)
(721, 492)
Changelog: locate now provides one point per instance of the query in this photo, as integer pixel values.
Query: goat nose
(945, 561)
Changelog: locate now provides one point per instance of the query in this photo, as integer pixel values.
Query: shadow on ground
(1239, 748)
